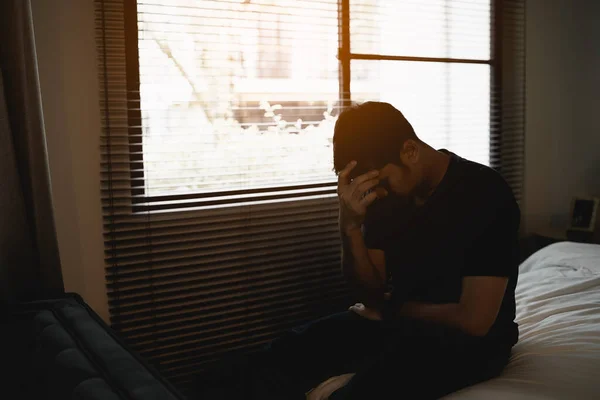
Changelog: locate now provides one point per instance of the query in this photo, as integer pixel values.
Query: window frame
(140, 202)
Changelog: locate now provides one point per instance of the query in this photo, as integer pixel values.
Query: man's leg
(297, 361)
(426, 363)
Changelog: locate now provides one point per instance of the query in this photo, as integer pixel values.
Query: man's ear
(410, 152)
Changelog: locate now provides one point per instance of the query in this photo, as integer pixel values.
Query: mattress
(558, 311)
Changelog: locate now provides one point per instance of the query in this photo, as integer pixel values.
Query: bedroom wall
(563, 109)
(65, 42)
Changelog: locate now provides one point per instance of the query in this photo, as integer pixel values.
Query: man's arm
(476, 312)
(489, 263)
(364, 269)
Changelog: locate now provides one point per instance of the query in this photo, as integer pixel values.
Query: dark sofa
(61, 349)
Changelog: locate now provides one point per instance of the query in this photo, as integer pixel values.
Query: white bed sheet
(558, 311)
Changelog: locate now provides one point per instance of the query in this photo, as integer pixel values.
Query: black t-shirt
(467, 227)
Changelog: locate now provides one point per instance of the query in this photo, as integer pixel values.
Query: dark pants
(405, 359)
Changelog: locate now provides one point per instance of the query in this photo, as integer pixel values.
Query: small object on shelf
(583, 219)
(583, 214)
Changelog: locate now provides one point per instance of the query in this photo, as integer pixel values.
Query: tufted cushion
(76, 355)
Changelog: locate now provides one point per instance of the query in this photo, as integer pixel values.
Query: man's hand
(369, 312)
(354, 198)
(366, 312)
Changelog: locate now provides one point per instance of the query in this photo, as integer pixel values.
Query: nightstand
(536, 241)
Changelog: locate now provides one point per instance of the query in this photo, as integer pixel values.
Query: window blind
(193, 275)
(236, 95)
(220, 213)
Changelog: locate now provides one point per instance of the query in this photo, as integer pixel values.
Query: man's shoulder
(487, 195)
(484, 180)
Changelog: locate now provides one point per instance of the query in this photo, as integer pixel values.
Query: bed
(558, 311)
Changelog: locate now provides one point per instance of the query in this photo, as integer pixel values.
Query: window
(220, 214)
(242, 96)
(273, 47)
(235, 95)
(436, 69)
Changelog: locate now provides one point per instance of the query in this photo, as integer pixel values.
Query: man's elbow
(476, 326)
(477, 330)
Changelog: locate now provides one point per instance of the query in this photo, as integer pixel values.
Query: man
(429, 249)
(430, 246)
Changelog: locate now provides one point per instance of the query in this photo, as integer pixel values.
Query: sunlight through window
(236, 95)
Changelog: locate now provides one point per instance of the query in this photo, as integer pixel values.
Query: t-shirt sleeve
(494, 248)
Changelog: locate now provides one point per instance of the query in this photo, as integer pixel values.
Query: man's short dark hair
(370, 133)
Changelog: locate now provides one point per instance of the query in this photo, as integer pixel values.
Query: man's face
(398, 180)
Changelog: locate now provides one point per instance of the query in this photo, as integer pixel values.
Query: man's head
(377, 136)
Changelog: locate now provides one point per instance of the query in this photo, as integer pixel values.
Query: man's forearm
(359, 271)
(448, 314)
(451, 314)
